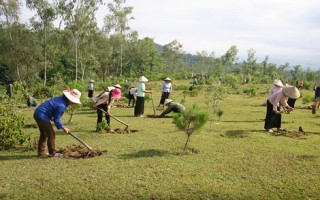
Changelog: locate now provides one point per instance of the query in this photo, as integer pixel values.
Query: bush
(307, 99)
(11, 126)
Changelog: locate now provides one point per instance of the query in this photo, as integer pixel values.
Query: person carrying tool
(273, 116)
(52, 110)
(104, 101)
(172, 107)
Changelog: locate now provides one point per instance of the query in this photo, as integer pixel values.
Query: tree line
(76, 49)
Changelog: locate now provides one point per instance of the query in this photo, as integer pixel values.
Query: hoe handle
(82, 142)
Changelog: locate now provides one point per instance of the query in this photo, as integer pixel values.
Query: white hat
(291, 92)
(73, 95)
(143, 79)
(278, 82)
(167, 101)
(167, 79)
(91, 81)
(117, 86)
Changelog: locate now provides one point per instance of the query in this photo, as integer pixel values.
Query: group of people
(279, 96)
(54, 108)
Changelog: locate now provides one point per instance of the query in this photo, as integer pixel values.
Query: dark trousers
(272, 120)
(90, 93)
(139, 108)
(47, 134)
(164, 96)
(100, 113)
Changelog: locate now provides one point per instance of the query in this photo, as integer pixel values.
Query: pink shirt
(277, 98)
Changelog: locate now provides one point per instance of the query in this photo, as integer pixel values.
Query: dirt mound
(77, 151)
(119, 131)
(291, 134)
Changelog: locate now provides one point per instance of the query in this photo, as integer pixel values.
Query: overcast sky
(283, 30)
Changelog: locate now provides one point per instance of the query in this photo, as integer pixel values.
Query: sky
(287, 31)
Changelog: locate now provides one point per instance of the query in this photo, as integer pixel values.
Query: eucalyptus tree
(117, 23)
(43, 20)
(79, 18)
(230, 58)
(249, 66)
(172, 55)
(9, 16)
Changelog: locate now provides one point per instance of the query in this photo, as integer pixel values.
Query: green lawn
(231, 159)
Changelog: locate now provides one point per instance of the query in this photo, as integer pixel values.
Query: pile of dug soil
(77, 151)
(158, 116)
(119, 131)
(291, 134)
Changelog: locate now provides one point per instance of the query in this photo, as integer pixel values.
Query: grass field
(229, 159)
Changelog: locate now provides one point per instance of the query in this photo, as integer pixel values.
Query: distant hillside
(159, 47)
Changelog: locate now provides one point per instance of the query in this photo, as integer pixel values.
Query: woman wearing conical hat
(273, 116)
(166, 90)
(141, 90)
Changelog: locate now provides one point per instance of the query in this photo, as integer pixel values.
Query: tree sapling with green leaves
(190, 120)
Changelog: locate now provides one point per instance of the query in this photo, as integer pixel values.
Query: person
(90, 89)
(52, 110)
(301, 85)
(277, 86)
(10, 89)
(316, 103)
(166, 90)
(273, 116)
(195, 81)
(172, 107)
(141, 90)
(30, 100)
(132, 96)
(103, 103)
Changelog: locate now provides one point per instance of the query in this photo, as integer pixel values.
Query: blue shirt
(53, 109)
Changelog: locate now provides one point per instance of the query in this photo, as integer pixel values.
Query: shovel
(154, 110)
(82, 142)
(115, 119)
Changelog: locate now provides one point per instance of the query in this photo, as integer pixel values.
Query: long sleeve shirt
(277, 98)
(166, 87)
(173, 107)
(53, 109)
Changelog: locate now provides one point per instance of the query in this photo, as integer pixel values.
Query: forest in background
(40, 52)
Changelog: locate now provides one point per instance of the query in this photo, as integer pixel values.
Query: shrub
(11, 126)
(307, 99)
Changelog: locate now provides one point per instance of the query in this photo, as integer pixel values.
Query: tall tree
(172, 55)
(117, 23)
(10, 9)
(46, 15)
(230, 58)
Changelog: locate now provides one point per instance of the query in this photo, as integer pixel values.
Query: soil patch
(119, 131)
(291, 134)
(77, 151)
(157, 116)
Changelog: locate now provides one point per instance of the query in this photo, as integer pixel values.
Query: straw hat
(167, 79)
(167, 101)
(117, 86)
(73, 95)
(143, 79)
(291, 92)
(116, 93)
(278, 82)
(91, 81)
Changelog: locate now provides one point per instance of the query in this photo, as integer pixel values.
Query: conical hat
(167, 101)
(143, 79)
(291, 92)
(278, 82)
(167, 79)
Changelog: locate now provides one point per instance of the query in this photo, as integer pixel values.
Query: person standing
(52, 110)
(172, 107)
(141, 90)
(90, 89)
(273, 116)
(103, 103)
(166, 90)
(10, 89)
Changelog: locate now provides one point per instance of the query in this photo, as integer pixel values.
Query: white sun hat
(278, 82)
(73, 95)
(143, 79)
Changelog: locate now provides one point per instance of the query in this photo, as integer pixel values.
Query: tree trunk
(185, 146)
